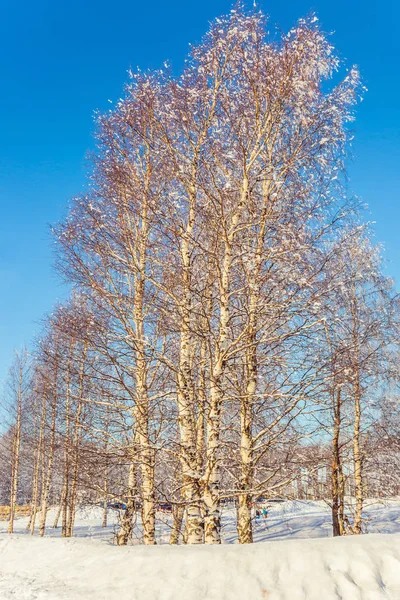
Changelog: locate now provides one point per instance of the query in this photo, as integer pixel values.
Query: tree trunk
(104, 522)
(341, 515)
(47, 480)
(105, 496)
(358, 482)
(126, 526)
(15, 453)
(194, 527)
(244, 521)
(38, 454)
(146, 452)
(244, 525)
(178, 512)
(212, 520)
(60, 505)
(336, 461)
(67, 444)
(76, 441)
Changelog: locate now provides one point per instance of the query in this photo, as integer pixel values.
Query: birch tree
(227, 304)
(18, 382)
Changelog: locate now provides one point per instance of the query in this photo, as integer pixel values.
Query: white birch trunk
(212, 520)
(125, 531)
(47, 481)
(76, 441)
(186, 402)
(358, 480)
(39, 453)
(15, 453)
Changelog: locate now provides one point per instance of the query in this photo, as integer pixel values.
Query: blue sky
(62, 60)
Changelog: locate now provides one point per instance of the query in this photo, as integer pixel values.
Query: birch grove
(229, 324)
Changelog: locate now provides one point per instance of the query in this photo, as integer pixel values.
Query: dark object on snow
(164, 506)
(117, 505)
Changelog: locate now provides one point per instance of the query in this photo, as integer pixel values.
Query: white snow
(290, 519)
(365, 568)
(89, 567)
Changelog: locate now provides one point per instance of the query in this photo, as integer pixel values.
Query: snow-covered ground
(291, 519)
(362, 568)
(89, 567)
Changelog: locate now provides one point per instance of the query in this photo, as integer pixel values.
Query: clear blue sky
(62, 60)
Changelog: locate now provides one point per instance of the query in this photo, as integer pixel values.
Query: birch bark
(16, 450)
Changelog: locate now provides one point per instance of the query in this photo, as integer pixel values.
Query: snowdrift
(354, 568)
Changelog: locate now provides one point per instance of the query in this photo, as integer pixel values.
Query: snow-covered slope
(354, 568)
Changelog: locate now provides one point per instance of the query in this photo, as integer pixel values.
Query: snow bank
(354, 568)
